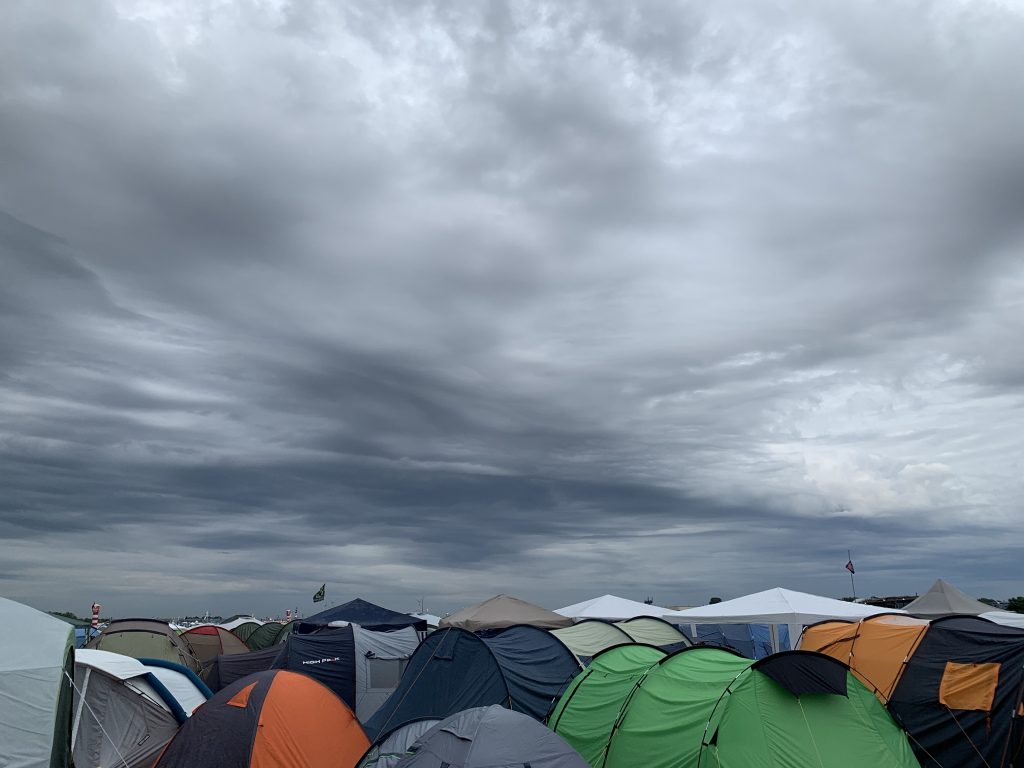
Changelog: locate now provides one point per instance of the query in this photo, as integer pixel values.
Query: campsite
(606, 683)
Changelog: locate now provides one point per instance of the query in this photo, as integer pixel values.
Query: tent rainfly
(361, 612)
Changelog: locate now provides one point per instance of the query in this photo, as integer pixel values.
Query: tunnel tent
(485, 737)
(502, 611)
(271, 633)
(244, 630)
(654, 631)
(876, 648)
(960, 693)
(208, 641)
(361, 612)
(277, 718)
(591, 636)
(147, 638)
(603, 688)
(706, 706)
(523, 668)
(36, 670)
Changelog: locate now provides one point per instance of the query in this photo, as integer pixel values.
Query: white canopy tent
(774, 607)
(612, 608)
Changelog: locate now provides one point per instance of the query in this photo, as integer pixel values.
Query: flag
(849, 567)
(320, 594)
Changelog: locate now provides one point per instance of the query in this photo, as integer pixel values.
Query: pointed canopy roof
(943, 599)
(365, 614)
(774, 606)
(504, 611)
(612, 608)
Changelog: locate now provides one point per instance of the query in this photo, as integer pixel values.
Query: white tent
(774, 607)
(1006, 618)
(612, 608)
(34, 692)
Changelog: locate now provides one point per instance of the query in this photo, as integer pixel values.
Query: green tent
(269, 634)
(707, 707)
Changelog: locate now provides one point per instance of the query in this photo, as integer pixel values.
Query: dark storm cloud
(554, 300)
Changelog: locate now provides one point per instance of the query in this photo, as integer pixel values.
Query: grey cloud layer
(546, 299)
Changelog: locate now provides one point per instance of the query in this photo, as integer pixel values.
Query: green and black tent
(705, 707)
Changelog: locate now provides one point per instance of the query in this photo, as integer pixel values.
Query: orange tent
(275, 719)
(876, 648)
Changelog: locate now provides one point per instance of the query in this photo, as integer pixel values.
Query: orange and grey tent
(275, 719)
(210, 641)
(876, 648)
(955, 684)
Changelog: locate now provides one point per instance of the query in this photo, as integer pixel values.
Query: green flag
(320, 593)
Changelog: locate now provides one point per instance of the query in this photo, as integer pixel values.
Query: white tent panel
(612, 608)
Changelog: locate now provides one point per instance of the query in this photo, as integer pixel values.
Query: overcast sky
(437, 301)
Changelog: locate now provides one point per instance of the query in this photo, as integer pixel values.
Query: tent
(146, 637)
(209, 641)
(611, 608)
(943, 599)
(876, 648)
(955, 684)
(654, 631)
(235, 622)
(591, 636)
(485, 737)
(523, 668)
(503, 611)
(244, 630)
(269, 634)
(365, 614)
(773, 607)
(123, 713)
(705, 706)
(275, 718)
(35, 688)
(363, 668)
(227, 669)
(431, 619)
(390, 747)
(751, 640)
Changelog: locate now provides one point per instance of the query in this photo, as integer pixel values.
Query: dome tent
(146, 638)
(706, 706)
(273, 718)
(502, 611)
(523, 668)
(484, 737)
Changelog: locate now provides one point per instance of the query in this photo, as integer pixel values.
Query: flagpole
(853, 587)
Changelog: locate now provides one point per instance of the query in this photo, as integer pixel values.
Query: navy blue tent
(522, 668)
(367, 615)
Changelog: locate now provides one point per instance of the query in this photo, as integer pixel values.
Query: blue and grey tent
(365, 614)
(522, 668)
(751, 640)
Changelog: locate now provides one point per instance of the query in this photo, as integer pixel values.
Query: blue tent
(365, 614)
(522, 668)
(752, 640)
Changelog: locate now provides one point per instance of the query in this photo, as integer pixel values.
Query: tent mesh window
(385, 673)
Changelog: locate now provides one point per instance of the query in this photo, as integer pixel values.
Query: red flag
(849, 566)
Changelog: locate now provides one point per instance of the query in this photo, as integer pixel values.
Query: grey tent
(387, 750)
(943, 599)
(146, 638)
(502, 611)
(485, 737)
